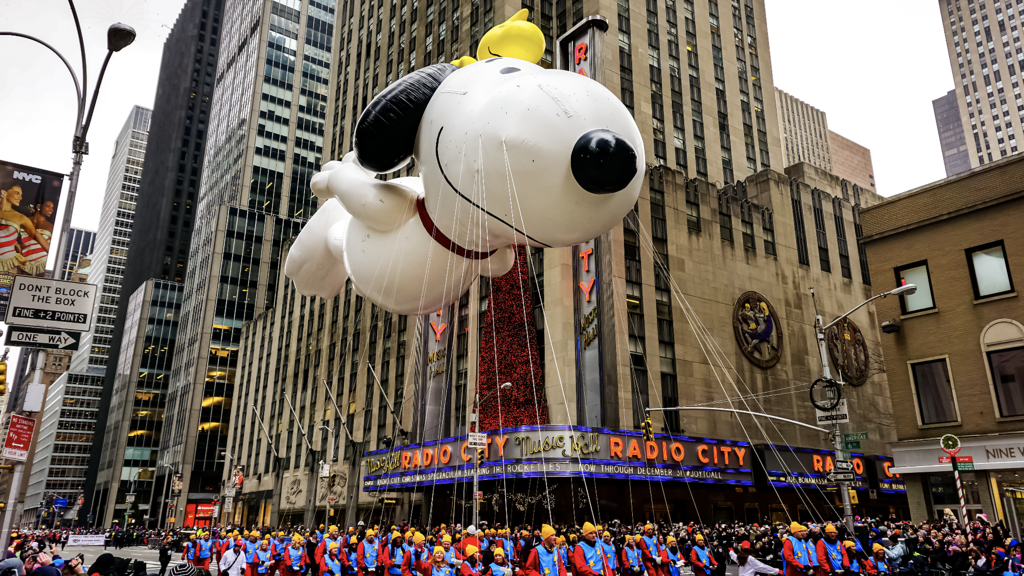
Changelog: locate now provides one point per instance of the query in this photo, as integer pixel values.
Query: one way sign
(42, 338)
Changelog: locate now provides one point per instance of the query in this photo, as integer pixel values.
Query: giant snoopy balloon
(508, 153)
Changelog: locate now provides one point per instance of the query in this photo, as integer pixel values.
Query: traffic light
(332, 481)
(648, 430)
(479, 457)
(3, 378)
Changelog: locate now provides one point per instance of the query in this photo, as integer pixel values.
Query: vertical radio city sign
(579, 50)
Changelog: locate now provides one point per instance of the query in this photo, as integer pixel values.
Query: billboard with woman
(28, 205)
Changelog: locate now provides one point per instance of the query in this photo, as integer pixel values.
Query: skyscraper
(985, 55)
(115, 230)
(955, 157)
(804, 132)
(168, 192)
(80, 244)
(806, 138)
(270, 102)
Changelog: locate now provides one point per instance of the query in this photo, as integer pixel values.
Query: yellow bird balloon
(516, 37)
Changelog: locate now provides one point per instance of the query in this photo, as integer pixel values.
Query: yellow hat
(572, 537)
(561, 539)
(699, 538)
(352, 540)
(606, 533)
(526, 533)
(267, 536)
(499, 552)
(438, 549)
(648, 527)
(588, 528)
(298, 539)
(546, 531)
(830, 529)
(599, 528)
(370, 533)
(470, 550)
(333, 546)
(417, 538)
(332, 529)
(797, 527)
(638, 537)
(395, 534)
(877, 547)
(670, 539)
(447, 538)
(849, 544)
(235, 533)
(254, 534)
(376, 527)
(407, 535)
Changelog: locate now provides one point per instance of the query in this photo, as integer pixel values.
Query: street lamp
(820, 328)
(167, 508)
(119, 36)
(475, 424)
(327, 490)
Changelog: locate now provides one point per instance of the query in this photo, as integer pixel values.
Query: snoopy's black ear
(386, 131)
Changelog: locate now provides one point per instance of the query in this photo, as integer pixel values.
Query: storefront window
(943, 489)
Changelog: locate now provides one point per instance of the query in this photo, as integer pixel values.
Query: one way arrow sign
(42, 338)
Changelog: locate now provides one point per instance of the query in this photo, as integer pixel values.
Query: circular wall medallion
(848, 352)
(758, 330)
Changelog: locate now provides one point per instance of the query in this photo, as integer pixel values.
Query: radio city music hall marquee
(561, 451)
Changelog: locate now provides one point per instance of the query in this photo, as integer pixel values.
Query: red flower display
(508, 353)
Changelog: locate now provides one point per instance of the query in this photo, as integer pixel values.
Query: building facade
(804, 131)
(851, 161)
(983, 43)
(63, 447)
(131, 441)
(958, 241)
(267, 139)
(80, 245)
(349, 378)
(807, 138)
(955, 157)
(776, 235)
(168, 192)
(111, 244)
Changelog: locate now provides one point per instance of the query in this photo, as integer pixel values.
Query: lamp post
(820, 329)
(167, 508)
(327, 487)
(119, 36)
(475, 425)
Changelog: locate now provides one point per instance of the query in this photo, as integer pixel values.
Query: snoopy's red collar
(444, 240)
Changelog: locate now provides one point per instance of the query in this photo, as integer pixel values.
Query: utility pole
(474, 426)
(275, 498)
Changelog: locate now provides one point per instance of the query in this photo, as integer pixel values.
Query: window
(1002, 343)
(990, 276)
(917, 274)
(933, 391)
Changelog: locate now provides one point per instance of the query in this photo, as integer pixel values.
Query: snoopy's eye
(509, 70)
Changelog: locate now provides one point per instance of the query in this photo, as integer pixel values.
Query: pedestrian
(232, 562)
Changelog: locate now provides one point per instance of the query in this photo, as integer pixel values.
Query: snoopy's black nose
(603, 162)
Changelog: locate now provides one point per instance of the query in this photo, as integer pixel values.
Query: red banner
(19, 438)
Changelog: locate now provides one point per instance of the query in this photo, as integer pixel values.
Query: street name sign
(945, 459)
(477, 440)
(19, 438)
(965, 466)
(47, 303)
(851, 445)
(855, 436)
(42, 338)
(60, 502)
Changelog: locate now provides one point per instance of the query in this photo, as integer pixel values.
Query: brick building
(958, 354)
